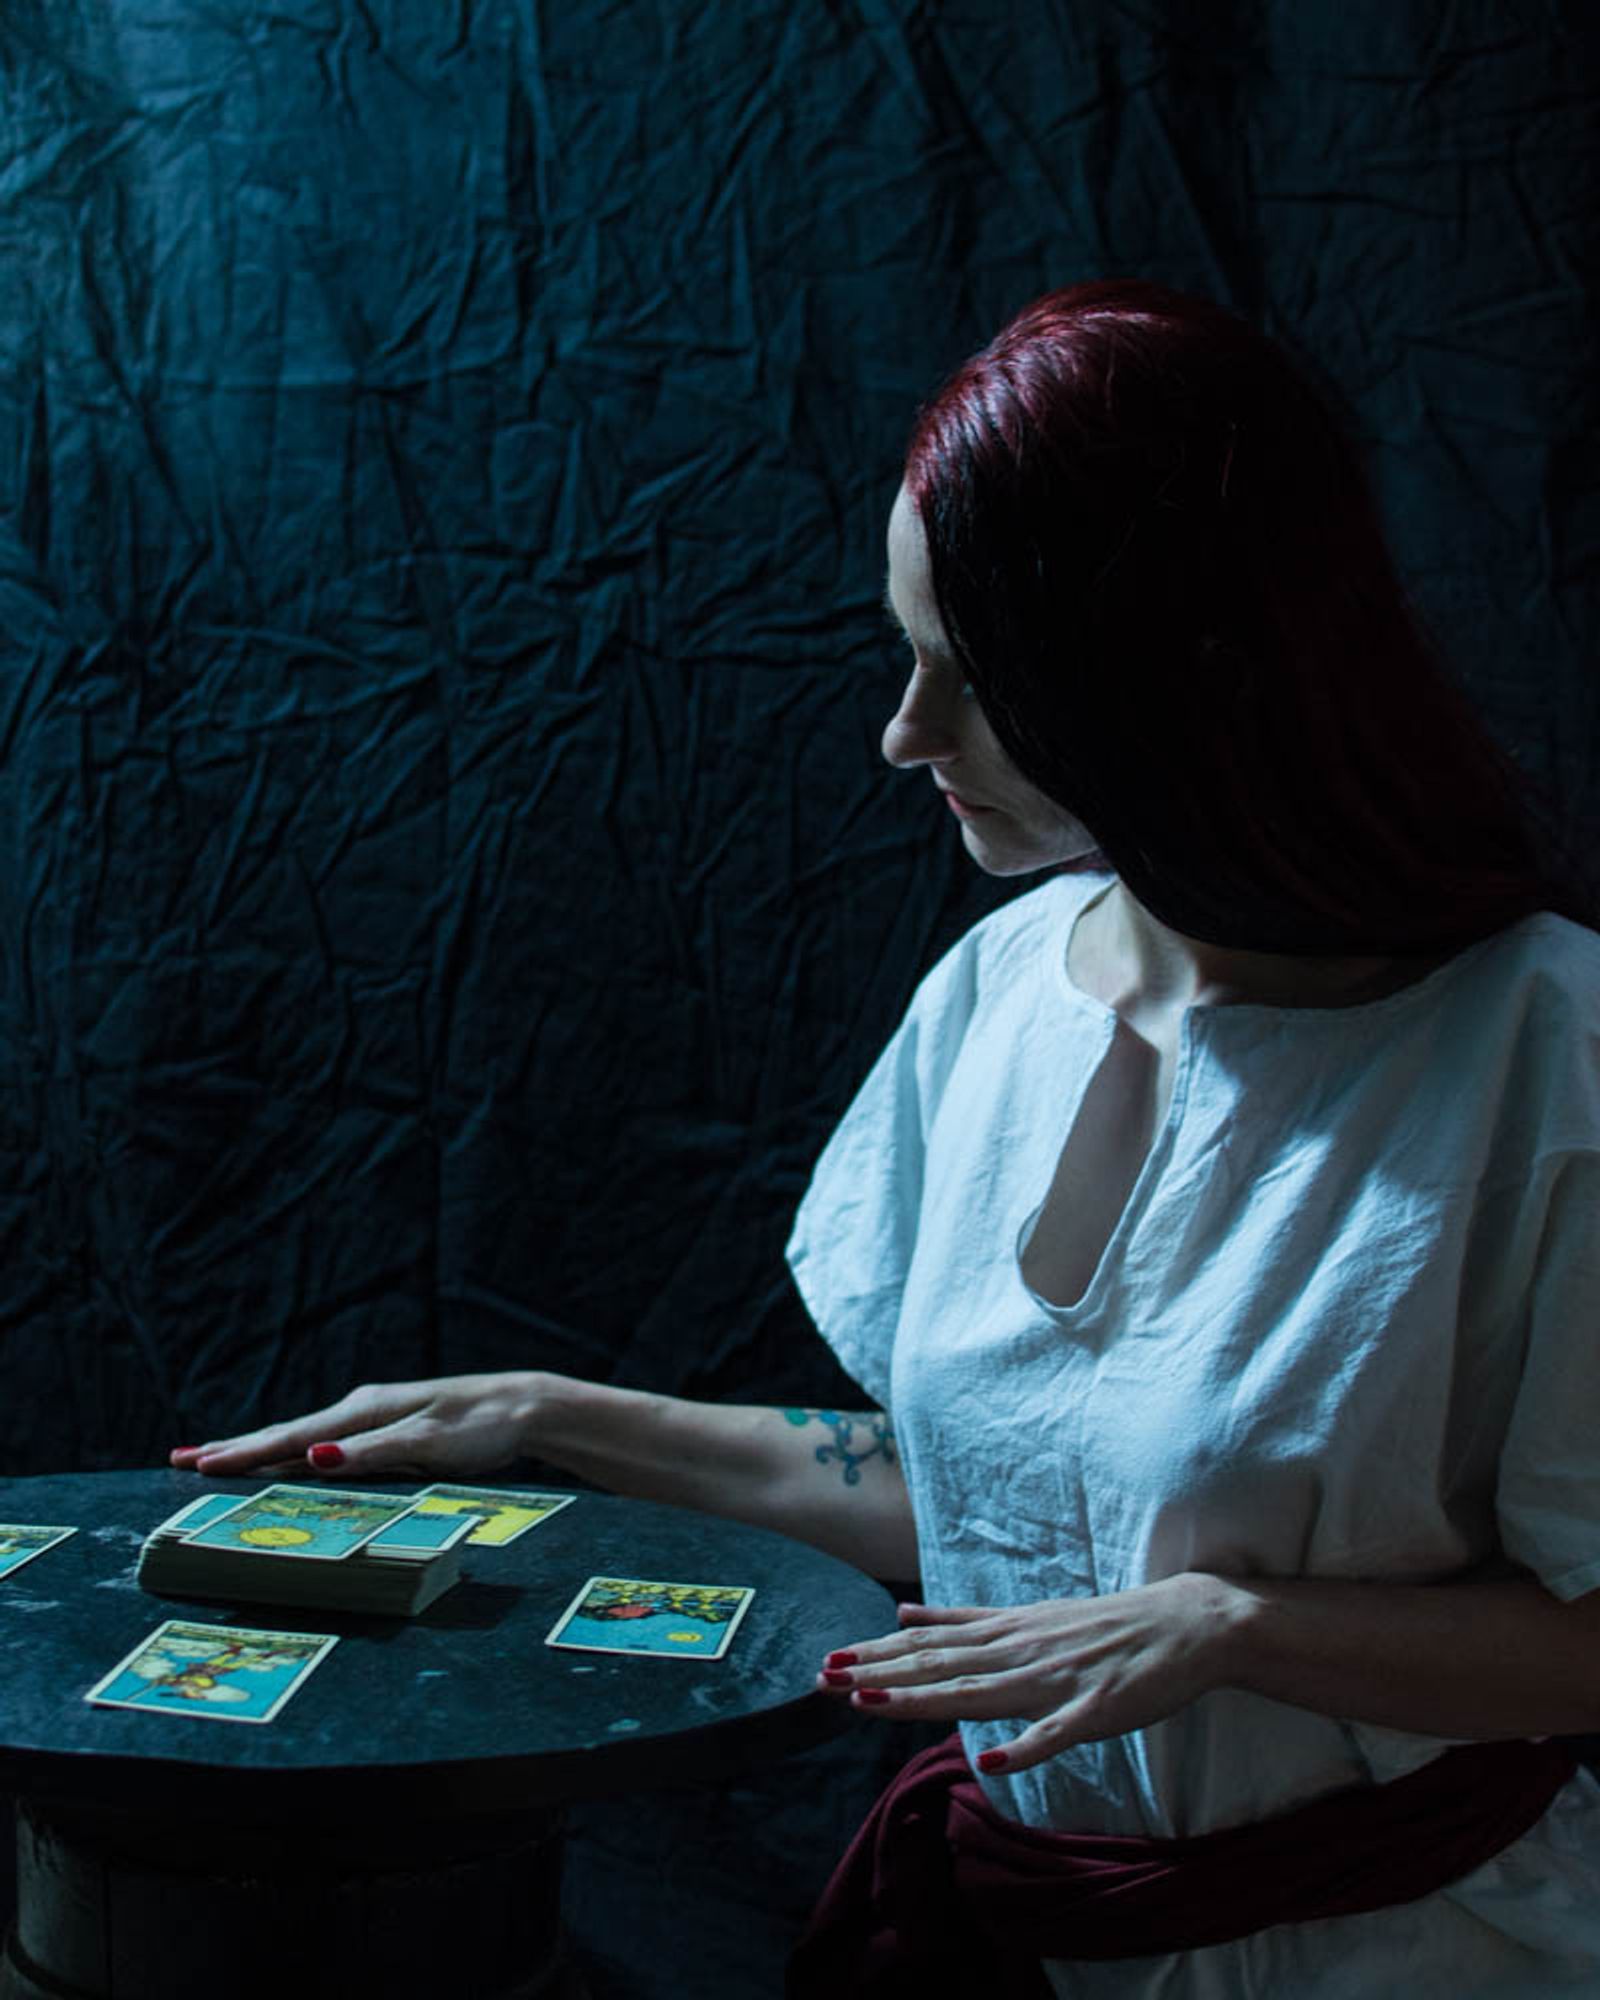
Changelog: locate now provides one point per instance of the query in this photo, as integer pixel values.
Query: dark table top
(462, 1709)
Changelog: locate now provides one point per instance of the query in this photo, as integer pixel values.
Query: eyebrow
(942, 654)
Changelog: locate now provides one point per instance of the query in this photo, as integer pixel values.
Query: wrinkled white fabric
(1348, 1325)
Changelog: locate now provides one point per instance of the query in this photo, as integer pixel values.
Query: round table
(396, 1830)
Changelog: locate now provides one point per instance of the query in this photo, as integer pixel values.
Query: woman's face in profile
(1008, 826)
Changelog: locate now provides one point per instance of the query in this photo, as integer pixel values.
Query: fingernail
(325, 1457)
(992, 1760)
(873, 1695)
(836, 1679)
(841, 1660)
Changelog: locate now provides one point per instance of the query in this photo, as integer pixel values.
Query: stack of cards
(331, 1547)
(310, 1546)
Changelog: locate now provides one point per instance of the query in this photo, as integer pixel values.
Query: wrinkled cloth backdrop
(450, 885)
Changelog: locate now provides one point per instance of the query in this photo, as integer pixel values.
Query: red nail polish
(992, 1760)
(326, 1457)
(841, 1660)
(874, 1694)
(836, 1679)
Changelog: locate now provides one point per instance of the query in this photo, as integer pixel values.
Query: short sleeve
(1548, 1494)
(856, 1227)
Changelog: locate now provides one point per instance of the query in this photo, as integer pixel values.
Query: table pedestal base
(139, 1908)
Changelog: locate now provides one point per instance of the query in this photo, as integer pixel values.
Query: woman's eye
(967, 691)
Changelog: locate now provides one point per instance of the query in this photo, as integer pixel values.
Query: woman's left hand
(1075, 1669)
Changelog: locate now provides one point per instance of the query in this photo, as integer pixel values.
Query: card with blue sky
(315, 1523)
(678, 1621)
(21, 1542)
(224, 1673)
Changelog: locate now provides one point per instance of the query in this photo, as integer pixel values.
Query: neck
(1149, 965)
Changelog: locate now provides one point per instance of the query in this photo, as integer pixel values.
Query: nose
(922, 729)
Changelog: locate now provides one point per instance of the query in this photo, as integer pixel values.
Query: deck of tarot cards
(312, 1547)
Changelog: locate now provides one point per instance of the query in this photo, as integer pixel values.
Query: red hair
(1156, 555)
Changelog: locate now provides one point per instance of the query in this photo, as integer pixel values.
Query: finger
(385, 1451)
(224, 1461)
(940, 1614)
(274, 1444)
(389, 1451)
(277, 1443)
(1036, 1744)
(894, 1645)
(922, 1642)
(838, 1686)
(279, 1468)
(883, 1662)
(971, 1665)
(969, 1700)
(866, 1649)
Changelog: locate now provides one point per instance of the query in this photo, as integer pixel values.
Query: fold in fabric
(937, 1886)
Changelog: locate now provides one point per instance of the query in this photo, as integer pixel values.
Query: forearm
(746, 1462)
(1479, 1661)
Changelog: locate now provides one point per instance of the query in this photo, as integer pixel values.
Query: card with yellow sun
(677, 1621)
(320, 1523)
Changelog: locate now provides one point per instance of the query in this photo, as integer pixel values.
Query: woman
(1218, 1227)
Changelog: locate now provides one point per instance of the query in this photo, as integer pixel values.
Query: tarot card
(418, 1530)
(678, 1621)
(19, 1544)
(318, 1523)
(227, 1673)
(194, 1514)
(508, 1514)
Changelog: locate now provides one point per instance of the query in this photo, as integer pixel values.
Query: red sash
(939, 1890)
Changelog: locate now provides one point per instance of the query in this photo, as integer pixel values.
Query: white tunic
(1348, 1325)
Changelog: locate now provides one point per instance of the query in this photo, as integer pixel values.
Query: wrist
(577, 1425)
(1223, 1613)
(537, 1398)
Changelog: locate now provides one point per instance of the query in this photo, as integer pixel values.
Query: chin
(1047, 849)
(1002, 858)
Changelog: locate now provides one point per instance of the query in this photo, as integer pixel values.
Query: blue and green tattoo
(848, 1431)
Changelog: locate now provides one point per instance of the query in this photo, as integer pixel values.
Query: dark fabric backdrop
(444, 453)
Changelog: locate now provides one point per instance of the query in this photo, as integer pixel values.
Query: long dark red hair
(1157, 557)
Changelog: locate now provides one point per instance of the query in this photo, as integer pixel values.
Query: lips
(962, 808)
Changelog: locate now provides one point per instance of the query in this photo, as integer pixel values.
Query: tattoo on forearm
(850, 1445)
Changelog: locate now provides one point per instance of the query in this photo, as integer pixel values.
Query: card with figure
(319, 1523)
(226, 1673)
(508, 1514)
(19, 1543)
(678, 1621)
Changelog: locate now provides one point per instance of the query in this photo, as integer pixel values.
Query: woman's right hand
(446, 1428)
